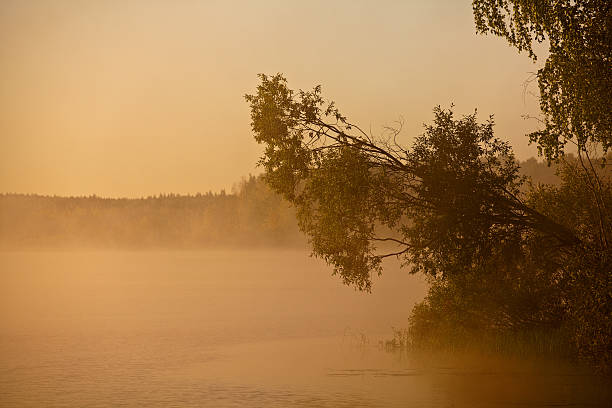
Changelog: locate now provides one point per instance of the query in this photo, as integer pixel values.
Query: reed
(554, 343)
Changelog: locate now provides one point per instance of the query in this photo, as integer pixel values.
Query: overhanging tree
(445, 206)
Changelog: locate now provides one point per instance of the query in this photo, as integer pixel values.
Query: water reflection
(227, 329)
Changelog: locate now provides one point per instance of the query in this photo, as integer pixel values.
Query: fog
(315, 204)
(213, 299)
(233, 327)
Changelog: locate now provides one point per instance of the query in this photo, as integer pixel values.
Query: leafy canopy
(576, 80)
(443, 206)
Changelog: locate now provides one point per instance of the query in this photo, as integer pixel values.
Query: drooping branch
(449, 198)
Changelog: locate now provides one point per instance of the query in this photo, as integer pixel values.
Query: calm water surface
(235, 328)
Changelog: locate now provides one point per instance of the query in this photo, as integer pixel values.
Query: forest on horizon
(252, 215)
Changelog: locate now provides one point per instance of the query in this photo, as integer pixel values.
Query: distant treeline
(252, 215)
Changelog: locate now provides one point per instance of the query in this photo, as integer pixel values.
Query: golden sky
(133, 98)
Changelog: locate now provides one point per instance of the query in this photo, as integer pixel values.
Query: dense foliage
(576, 80)
(503, 255)
(575, 86)
(449, 200)
(558, 293)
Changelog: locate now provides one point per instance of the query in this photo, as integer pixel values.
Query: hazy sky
(132, 98)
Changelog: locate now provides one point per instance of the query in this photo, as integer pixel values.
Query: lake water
(236, 328)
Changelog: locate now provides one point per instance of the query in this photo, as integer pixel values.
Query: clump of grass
(355, 337)
(551, 343)
(401, 340)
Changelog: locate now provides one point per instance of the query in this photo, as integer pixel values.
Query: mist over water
(234, 328)
(166, 167)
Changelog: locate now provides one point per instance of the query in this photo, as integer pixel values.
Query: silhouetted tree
(450, 201)
(576, 80)
(501, 255)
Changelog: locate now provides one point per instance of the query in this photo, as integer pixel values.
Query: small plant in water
(400, 340)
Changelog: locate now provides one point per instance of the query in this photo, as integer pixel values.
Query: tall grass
(552, 343)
